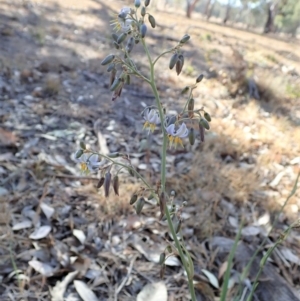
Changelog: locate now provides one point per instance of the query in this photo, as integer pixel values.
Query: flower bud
(192, 136)
(143, 11)
(121, 37)
(116, 185)
(130, 44)
(137, 3)
(143, 30)
(207, 117)
(115, 37)
(152, 21)
(133, 199)
(185, 90)
(108, 60)
(116, 84)
(191, 106)
(136, 40)
(201, 131)
(79, 153)
(139, 205)
(162, 258)
(147, 2)
(82, 145)
(107, 181)
(101, 182)
(173, 60)
(179, 64)
(110, 67)
(199, 78)
(117, 46)
(184, 39)
(204, 123)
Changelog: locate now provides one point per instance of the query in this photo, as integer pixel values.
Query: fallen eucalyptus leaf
(211, 277)
(41, 232)
(153, 292)
(84, 291)
(42, 268)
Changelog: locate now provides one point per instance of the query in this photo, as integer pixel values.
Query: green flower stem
(128, 167)
(163, 172)
(165, 52)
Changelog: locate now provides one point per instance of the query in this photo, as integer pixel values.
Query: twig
(71, 177)
(125, 278)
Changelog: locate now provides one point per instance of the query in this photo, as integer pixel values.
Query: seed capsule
(207, 117)
(185, 90)
(108, 60)
(127, 81)
(130, 44)
(82, 145)
(201, 131)
(110, 67)
(152, 21)
(176, 223)
(117, 82)
(116, 185)
(139, 205)
(179, 64)
(137, 3)
(169, 249)
(199, 78)
(204, 123)
(112, 77)
(79, 153)
(162, 258)
(184, 39)
(121, 37)
(191, 106)
(133, 199)
(192, 136)
(143, 30)
(115, 37)
(162, 271)
(107, 181)
(173, 60)
(101, 182)
(143, 11)
(162, 204)
(147, 2)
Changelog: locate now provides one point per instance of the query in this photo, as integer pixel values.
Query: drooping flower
(89, 162)
(123, 20)
(151, 119)
(176, 135)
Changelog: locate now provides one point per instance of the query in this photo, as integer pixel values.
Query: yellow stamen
(177, 141)
(84, 168)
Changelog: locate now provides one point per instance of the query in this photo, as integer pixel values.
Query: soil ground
(55, 93)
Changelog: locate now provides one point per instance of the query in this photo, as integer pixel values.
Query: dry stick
(125, 278)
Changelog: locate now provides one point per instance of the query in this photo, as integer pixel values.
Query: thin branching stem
(163, 173)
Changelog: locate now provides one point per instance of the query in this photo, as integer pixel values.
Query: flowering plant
(131, 29)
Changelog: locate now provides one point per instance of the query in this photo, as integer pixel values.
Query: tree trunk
(191, 4)
(207, 7)
(269, 26)
(227, 12)
(210, 10)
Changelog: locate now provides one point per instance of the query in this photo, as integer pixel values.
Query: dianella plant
(130, 28)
